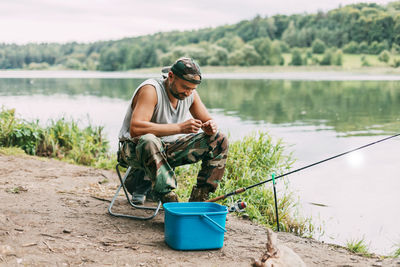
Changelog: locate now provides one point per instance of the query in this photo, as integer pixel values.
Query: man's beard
(173, 92)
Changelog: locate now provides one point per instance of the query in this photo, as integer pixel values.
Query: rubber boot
(199, 194)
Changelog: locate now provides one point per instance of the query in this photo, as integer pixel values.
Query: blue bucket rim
(167, 208)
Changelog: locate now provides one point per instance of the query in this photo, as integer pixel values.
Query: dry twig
(47, 245)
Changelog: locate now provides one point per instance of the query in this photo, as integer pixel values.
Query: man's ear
(171, 75)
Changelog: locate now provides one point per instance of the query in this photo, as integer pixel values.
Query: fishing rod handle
(216, 198)
(237, 191)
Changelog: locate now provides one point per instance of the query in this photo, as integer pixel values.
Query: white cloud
(23, 21)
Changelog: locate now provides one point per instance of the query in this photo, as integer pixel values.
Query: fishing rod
(243, 189)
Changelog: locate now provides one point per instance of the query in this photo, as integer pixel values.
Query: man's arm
(143, 107)
(200, 112)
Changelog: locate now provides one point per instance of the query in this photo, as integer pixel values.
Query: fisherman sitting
(158, 134)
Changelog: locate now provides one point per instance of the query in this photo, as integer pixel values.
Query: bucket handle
(214, 222)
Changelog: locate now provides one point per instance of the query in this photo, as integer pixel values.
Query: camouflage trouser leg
(147, 153)
(212, 150)
(138, 182)
(158, 159)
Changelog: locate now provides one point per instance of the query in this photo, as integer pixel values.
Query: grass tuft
(396, 253)
(358, 246)
(12, 151)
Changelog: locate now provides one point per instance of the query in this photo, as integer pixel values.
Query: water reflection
(348, 107)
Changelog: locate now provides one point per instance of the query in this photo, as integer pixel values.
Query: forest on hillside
(353, 29)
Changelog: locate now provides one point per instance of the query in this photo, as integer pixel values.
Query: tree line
(354, 29)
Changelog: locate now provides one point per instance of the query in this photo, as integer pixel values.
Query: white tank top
(163, 113)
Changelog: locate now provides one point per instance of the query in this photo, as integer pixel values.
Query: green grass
(358, 246)
(251, 160)
(12, 151)
(396, 252)
(351, 63)
(61, 139)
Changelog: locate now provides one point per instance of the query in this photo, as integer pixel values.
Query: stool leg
(122, 185)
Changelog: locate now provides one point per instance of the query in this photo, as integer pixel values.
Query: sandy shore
(55, 214)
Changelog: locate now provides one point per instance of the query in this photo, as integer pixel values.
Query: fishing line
(241, 190)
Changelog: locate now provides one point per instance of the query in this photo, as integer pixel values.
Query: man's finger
(197, 123)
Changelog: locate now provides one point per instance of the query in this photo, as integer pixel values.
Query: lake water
(317, 115)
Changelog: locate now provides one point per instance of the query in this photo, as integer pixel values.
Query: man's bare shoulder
(147, 90)
(146, 94)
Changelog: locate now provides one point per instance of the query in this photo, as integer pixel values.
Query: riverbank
(286, 69)
(55, 213)
(313, 73)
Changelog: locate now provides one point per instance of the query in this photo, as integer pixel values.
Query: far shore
(312, 73)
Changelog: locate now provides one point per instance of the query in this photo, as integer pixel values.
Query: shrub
(364, 61)
(318, 46)
(38, 66)
(327, 58)
(395, 48)
(363, 48)
(296, 57)
(18, 133)
(351, 48)
(375, 48)
(396, 63)
(314, 60)
(337, 58)
(284, 47)
(73, 63)
(384, 56)
(62, 139)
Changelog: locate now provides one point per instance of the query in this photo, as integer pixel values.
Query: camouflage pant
(156, 159)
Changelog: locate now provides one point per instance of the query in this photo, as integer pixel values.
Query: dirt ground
(55, 214)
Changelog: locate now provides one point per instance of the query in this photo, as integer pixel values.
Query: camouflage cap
(186, 69)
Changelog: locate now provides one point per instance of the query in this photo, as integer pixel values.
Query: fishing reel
(237, 206)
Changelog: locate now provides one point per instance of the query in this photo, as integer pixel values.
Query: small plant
(358, 246)
(384, 56)
(396, 253)
(327, 58)
(318, 46)
(104, 181)
(296, 57)
(16, 190)
(364, 61)
(396, 63)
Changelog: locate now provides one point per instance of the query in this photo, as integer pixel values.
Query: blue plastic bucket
(194, 225)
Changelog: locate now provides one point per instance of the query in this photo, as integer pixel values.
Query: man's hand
(210, 127)
(190, 126)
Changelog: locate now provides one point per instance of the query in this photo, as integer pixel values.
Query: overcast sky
(23, 21)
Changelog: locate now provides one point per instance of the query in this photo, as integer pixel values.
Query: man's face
(179, 88)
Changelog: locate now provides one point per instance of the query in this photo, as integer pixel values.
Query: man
(158, 135)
